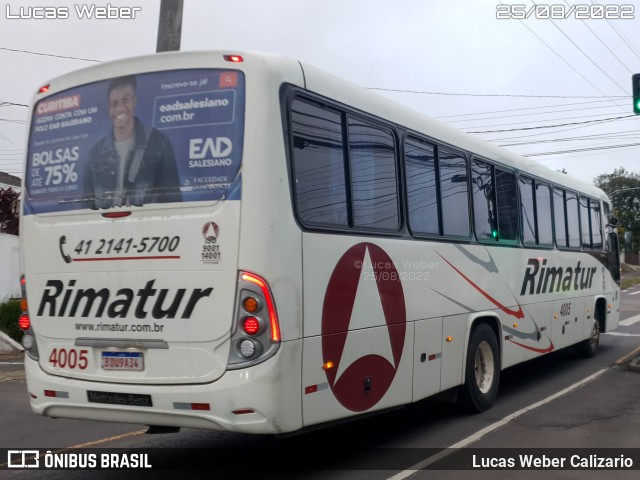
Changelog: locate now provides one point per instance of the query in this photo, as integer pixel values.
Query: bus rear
(136, 307)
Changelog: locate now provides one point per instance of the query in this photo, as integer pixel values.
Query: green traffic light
(494, 233)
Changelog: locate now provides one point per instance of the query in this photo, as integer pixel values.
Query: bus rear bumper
(259, 399)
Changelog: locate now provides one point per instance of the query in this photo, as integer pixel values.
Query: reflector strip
(315, 388)
(191, 406)
(434, 356)
(55, 394)
(243, 412)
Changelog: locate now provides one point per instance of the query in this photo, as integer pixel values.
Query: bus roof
(326, 84)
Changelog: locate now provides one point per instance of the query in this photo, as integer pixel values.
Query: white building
(9, 250)
(7, 181)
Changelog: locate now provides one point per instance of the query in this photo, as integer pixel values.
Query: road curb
(628, 357)
(8, 344)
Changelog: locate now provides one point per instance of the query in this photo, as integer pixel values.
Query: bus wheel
(589, 347)
(482, 370)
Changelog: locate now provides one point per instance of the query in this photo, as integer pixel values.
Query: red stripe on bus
(103, 259)
(550, 348)
(514, 313)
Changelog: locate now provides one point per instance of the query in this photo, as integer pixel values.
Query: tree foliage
(623, 188)
(9, 219)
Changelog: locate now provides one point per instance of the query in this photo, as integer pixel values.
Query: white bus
(243, 242)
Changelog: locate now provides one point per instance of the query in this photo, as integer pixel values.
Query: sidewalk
(630, 275)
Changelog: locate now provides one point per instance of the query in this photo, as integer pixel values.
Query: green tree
(9, 219)
(623, 188)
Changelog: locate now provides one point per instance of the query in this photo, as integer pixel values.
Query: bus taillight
(24, 322)
(233, 58)
(251, 325)
(255, 337)
(273, 317)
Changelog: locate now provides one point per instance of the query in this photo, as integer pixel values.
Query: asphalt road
(604, 412)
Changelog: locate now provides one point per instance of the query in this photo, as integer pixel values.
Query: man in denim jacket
(133, 164)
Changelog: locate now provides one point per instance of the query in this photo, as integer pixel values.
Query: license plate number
(122, 361)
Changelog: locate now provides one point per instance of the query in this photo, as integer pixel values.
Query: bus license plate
(122, 361)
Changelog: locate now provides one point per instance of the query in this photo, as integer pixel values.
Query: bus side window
(422, 194)
(484, 204)
(585, 223)
(318, 157)
(560, 217)
(453, 193)
(543, 214)
(506, 202)
(596, 224)
(573, 225)
(528, 211)
(374, 180)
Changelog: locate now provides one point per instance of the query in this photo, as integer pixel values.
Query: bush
(9, 220)
(9, 315)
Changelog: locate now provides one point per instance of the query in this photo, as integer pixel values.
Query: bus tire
(589, 347)
(482, 373)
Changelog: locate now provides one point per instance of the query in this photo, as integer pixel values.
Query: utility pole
(169, 26)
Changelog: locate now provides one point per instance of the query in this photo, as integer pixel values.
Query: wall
(9, 267)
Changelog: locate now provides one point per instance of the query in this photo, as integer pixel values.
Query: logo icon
(363, 383)
(229, 80)
(210, 231)
(23, 459)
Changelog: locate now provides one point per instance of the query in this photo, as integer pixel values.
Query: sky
(555, 90)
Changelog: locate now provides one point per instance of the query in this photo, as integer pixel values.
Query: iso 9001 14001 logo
(560, 12)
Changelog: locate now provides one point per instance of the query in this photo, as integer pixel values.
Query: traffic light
(635, 82)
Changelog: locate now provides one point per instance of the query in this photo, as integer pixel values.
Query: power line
(4, 103)
(550, 133)
(584, 53)
(622, 36)
(576, 150)
(50, 55)
(602, 42)
(13, 120)
(533, 108)
(558, 55)
(520, 122)
(612, 136)
(535, 113)
(496, 94)
(558, 125)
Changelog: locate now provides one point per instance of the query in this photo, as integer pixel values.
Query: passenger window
(318, 155)
(422, 192)
(453, 193)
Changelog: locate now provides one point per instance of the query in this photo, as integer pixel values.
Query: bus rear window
(137, 140)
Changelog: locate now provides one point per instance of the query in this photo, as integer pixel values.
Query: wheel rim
(484, 367)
